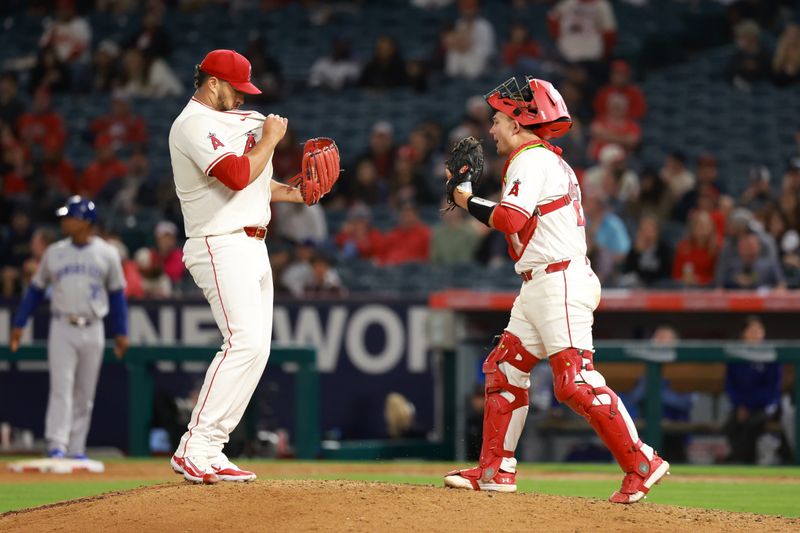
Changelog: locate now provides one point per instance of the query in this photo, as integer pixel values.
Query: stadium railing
(140, 361)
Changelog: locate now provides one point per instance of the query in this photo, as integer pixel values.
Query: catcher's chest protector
(519, 241)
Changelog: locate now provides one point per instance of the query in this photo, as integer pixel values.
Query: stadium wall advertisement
(365, 349)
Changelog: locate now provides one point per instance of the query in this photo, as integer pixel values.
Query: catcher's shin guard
(502, 399)
(584, 389)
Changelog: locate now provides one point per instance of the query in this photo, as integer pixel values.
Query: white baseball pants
(234, 274)
(553, 312)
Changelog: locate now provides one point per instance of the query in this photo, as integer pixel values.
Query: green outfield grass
(709, 487)
(23, 495)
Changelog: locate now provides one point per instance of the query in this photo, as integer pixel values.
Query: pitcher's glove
(320, 169)
(465, 165)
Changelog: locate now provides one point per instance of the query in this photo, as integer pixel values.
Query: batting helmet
(77, 207)
(537, 103)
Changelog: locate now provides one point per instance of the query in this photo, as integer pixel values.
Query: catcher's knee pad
(577, 384)
(498, 408)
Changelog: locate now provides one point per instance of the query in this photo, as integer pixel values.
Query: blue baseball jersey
(80, 276)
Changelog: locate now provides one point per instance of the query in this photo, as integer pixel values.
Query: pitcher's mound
(356, 506)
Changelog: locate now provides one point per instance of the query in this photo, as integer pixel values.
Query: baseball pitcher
(85, 276)
(222, 166)
(541, 216)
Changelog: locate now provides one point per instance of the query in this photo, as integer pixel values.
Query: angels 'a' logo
(250, 143)
(215, 143)
(514, 189)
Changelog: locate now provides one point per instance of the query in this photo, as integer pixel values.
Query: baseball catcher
(320, 169)
(541, 216)
(464, 168)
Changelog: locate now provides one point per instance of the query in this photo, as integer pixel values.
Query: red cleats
(471, 479)
(177, 464)
(196, 474)
(637, 484)
(227, 471)
(219, 470)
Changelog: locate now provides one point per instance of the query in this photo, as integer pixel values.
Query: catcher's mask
(537, 103)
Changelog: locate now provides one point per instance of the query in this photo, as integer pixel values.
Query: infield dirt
(353, 506)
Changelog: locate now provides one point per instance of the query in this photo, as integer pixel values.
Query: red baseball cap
(232, 67)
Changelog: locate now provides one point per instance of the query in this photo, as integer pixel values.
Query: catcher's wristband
(481, 209)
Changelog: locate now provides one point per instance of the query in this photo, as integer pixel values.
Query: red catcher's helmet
(536, 104)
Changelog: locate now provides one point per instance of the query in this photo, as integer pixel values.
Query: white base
(58, 466)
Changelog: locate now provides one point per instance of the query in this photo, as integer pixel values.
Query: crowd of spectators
(672, 226)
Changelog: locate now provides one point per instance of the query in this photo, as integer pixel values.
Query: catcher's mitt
(320, 169)
(465, 165)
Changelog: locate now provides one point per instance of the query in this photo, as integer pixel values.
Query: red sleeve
(233, 171)
(507, 219)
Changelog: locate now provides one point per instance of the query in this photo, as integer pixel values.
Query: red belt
(549, 269)
(256, 232)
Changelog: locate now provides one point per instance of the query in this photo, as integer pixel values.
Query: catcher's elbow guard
(481, 209)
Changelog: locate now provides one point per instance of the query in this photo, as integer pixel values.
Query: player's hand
(120, 346)
(274, 128)
(461, 197)
(16, 336)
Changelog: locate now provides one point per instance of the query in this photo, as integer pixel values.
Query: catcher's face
(503, 130)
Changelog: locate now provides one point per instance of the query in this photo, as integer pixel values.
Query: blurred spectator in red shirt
(58, 172)
(621, 85)
(614, 127)
(10, 105)
(169, 254)
(69, 35)
(104, 168)
(696, 255)
(358, 238)
(520, 48)
(41, 122)
(409, 241)
(126, 129)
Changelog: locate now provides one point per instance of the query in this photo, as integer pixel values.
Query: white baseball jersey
(199, 139)
(81, 277)
(536, 176)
